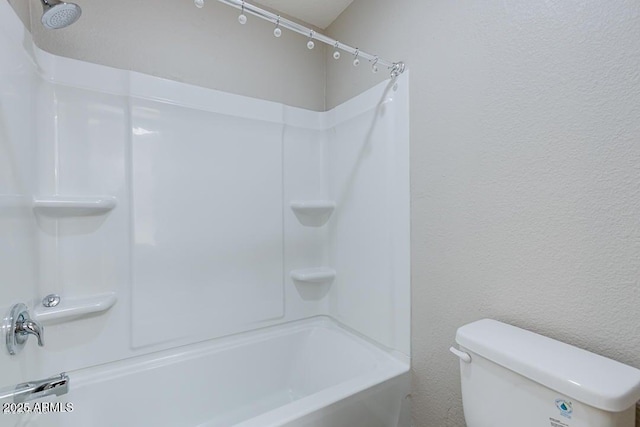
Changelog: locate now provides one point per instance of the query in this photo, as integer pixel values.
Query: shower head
(57, 14)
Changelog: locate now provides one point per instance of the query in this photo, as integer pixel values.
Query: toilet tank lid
(583, 376)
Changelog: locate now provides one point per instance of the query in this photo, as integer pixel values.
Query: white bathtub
(310, 373)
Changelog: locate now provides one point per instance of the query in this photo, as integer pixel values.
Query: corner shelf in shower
(68, 206)
(74, 308)
(318, 276)
(313, 213)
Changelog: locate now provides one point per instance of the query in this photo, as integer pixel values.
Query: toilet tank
(513, 377)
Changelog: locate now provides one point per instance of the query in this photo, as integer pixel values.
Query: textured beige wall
(525, 171)
(175, 40)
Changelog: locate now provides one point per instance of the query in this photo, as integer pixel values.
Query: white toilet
(516, 378)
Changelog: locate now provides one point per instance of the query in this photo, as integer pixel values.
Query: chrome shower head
(57, 14)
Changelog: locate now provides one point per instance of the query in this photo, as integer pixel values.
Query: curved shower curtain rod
(396, 68)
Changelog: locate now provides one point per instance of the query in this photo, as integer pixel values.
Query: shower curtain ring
(277, 32)
(311, 44)
(356, 61)
(242, 19)
(336, 53)
(374, 67)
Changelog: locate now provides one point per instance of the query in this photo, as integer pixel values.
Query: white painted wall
(175, 40)
(525, 171)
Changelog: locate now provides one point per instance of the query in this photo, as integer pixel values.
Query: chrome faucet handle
(18, 326)
(26, 326)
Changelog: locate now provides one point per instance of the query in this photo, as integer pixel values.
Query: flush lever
(465, 357)
(19, 326)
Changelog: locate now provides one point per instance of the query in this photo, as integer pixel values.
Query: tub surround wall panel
(85, 154)
(207, 222)
(196, 181)
(89, 140)
(367, 156)
(305, 247)
(22, 10)
(18, 248)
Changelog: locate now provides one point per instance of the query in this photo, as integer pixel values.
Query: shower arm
(396, 68)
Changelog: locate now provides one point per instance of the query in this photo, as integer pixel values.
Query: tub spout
(54, 386)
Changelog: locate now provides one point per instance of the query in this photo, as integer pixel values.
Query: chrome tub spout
(54, 386)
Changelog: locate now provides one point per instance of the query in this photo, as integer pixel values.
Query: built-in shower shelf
(74, 308)
(319, 275)
(313, 213)
(63, 206)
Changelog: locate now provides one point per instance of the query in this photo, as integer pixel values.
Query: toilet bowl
(511, 377)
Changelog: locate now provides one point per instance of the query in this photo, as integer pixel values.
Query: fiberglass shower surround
(241, 258)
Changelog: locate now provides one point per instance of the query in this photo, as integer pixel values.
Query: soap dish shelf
(73, 308)
(64, 206)
(318, 276)
(314, 213)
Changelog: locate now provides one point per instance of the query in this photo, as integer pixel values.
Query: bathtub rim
(389, 362)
